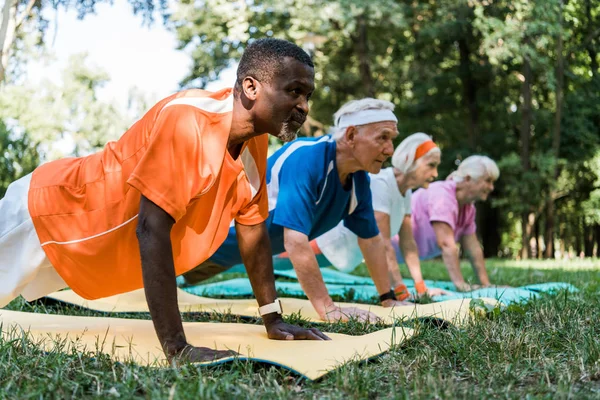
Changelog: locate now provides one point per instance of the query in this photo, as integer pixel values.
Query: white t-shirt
(340, 245)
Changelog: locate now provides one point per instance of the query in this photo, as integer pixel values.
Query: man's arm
(158, 273)
(445, 240)
(305, 263)
(475, 253)
(255, 249)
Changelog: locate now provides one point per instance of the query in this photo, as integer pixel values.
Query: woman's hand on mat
(191, 354)
(436, 292)
(396, 303)
(334, 313)
(279, 330)
(466, 287)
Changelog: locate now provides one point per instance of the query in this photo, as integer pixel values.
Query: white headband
(364, 117)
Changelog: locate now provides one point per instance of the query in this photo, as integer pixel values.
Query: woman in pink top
(444, 214)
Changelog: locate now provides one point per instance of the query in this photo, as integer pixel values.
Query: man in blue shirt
(313, 184)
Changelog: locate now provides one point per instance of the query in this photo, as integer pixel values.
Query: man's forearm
(255, 249)
(309, 276)
(374, 252)
(393, 267)
(158, 273)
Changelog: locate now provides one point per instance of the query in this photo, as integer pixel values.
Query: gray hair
(476, 167)
(404, 155)
(368, 103)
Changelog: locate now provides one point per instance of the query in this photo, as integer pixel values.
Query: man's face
(426, 170)
(482, 187)
(282, 104)
(373, 144)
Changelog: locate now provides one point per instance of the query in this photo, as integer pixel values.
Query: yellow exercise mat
(135, 340)
(454, 311)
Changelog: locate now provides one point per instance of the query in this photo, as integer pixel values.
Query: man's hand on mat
(334, 313)
(279, 330)
(191, 354)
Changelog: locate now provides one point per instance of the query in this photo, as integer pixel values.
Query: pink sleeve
(442, 206)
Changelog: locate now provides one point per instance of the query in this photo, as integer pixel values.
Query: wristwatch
(274, 307)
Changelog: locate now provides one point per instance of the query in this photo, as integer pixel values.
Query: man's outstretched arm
(158, 272)
(255, 249)
(309, 275)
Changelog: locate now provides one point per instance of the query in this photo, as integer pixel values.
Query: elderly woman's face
(426, 170)
(482, 187)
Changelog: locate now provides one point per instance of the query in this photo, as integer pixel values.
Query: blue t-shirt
(306, 195)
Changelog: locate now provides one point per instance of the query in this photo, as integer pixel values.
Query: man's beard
(285, 134)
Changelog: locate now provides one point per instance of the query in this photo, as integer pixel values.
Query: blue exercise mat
(341, 278)
(241, 287)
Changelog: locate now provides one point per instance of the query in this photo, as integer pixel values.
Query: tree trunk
(7, 34)
(592, 53)
(469, 93)
(488, 220)
(589, 234)
(525, 138)
(597, 238)
(362, 48)
(560, 74)
(549, 232)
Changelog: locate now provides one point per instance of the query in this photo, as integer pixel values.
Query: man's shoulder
(217, 103)
(306, 154)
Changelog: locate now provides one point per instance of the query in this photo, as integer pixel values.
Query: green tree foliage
(68, 113)
(516, 80)
(22, 24)
(18, 156)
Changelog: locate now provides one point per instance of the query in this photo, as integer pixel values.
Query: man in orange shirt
(159, 201)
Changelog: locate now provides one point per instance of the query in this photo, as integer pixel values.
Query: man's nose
(303, 105)
(389, 148)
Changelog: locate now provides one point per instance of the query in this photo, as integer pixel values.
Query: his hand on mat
(191, 354)
(279, 330)
(396, 303)
(334, 313)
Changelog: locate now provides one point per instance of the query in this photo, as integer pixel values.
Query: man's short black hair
(263, 59)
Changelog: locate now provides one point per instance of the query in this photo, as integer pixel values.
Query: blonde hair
(404, 155)
(476, 167)
(368, 103)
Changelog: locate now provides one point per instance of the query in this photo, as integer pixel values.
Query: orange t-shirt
(85, 209)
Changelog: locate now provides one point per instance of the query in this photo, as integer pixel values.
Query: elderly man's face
(282, 106)
(373, 144)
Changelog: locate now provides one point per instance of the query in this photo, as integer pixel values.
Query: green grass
(547, 348)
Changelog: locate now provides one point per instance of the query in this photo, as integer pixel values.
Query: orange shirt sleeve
(182, 160)
(257, 210)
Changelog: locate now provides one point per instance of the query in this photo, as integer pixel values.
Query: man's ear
(350, 134)
(250, 88)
